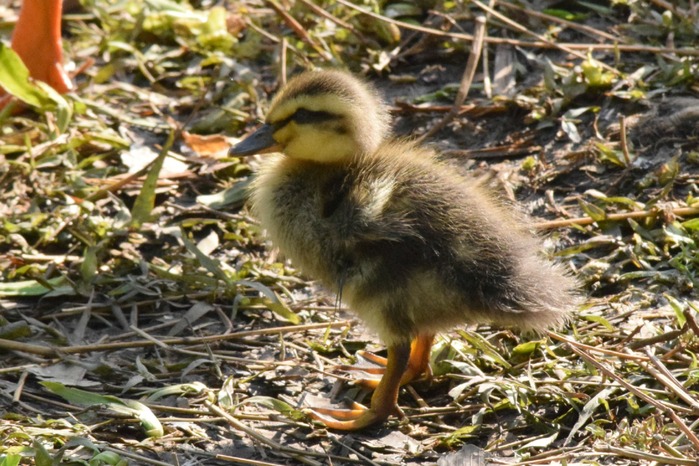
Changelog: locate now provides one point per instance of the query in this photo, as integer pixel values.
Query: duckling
(413, 247)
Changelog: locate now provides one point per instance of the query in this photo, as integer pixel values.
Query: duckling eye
(305, 116)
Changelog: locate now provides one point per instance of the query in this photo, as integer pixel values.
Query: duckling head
(322, 116)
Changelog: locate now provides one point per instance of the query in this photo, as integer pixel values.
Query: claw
(371, 357)
(352, 413)
(357, 417)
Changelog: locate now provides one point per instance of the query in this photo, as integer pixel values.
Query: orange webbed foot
(404, 363)
(356, 417)
(370, 369)
(373, 365)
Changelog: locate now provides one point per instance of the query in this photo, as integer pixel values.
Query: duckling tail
(545, 296)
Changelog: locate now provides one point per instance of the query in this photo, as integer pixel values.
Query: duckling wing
(335, 222)
(366, 207)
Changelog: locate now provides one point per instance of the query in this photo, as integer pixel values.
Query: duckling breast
(292, 198)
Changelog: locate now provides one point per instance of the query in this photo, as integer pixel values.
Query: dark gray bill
(259, 142)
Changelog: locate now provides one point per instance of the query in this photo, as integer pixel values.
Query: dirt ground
(145, 319)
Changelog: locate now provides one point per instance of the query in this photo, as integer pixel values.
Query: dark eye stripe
(304, 116)
(312, 116)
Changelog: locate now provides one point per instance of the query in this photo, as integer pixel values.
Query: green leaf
(80, 397)
(599, 320)
(15, 79)
(107, 457)
(624, 201)
(41, 457)
(594, 212)
(526, 348)
(678, 309)
(692, 224)
(595, 75)
(145, 201)
(588, 410)
(273, 302)
(35, 288)
(64, 111)
(282, 311)
(278, 405)
(207, 262)
(478, 342)
(10, 460)
(148, 420)
(214, 33)
(179, 389)
(14, 330)
(529, 163)
(233, 197)
(608, 154)
(564, 14)
(88, 268)
(459, 435)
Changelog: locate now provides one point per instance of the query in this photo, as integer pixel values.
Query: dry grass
(143, 319)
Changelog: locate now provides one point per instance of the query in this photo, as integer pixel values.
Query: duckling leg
(418, 363)
(384, 401)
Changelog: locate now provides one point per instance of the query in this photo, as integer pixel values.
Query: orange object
(37, 40)
(403, 365)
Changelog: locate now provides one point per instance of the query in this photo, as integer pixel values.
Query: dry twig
(581, 221)
(187, 341)
(466, 79)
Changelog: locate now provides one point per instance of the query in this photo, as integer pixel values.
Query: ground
(145, 319)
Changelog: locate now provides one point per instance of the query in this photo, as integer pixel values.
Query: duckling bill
(413, 247)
